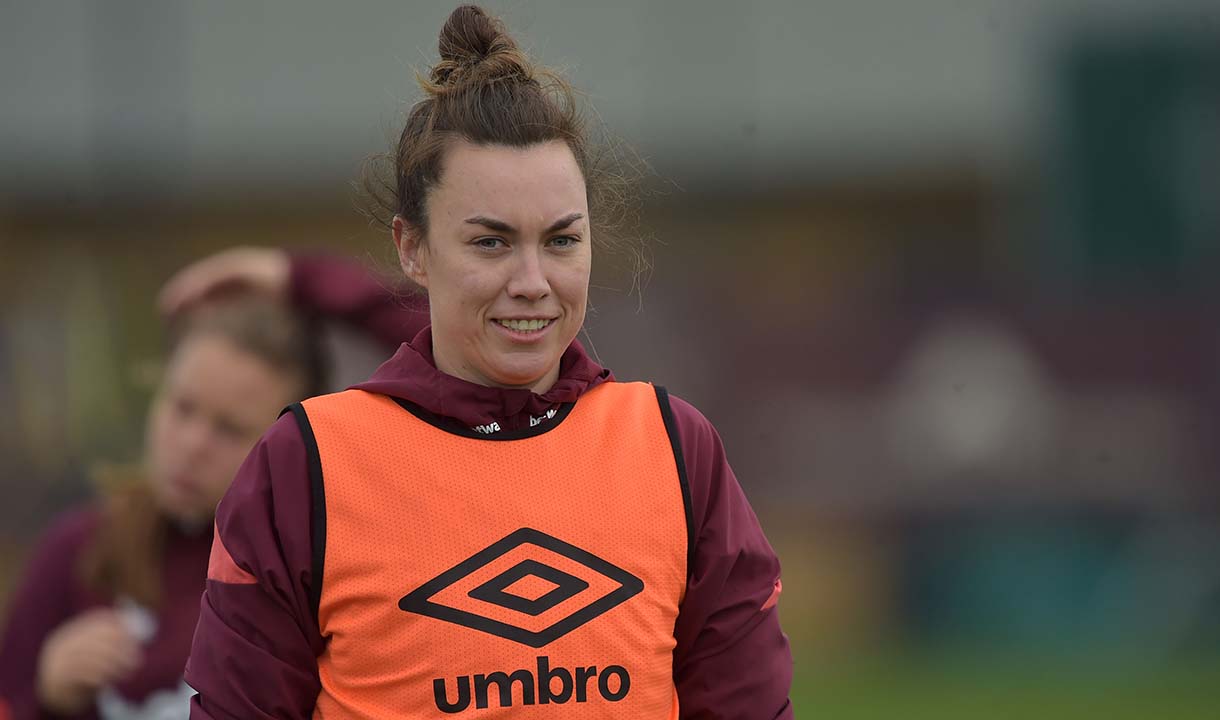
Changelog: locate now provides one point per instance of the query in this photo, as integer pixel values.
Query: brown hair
(126, 555)
(487, 91)
(264, 328)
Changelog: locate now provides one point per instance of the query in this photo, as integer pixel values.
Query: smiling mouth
(525, 325)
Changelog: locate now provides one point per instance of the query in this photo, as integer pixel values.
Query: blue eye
(489, 243)
(564, 241)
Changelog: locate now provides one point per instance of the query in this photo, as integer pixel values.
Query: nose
(528, 281)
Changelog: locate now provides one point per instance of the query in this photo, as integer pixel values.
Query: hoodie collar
(411, 375)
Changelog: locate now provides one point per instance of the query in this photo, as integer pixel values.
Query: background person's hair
(126, 556)
(487, 91)
(268, 329)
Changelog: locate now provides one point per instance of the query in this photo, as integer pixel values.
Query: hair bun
(469, 35)
(476, 46)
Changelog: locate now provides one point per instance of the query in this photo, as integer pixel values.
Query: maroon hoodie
(50, 591)
(255, 649)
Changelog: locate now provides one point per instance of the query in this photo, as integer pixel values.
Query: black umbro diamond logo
(498, 591)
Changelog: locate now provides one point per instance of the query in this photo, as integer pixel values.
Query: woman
(491, 521)
(101, 624)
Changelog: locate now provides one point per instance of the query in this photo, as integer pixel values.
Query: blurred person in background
(491, 520)
(101, 624)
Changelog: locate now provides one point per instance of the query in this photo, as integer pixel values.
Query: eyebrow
(501, 226)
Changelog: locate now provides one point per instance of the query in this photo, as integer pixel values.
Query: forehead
(227, 378)
(535, 183)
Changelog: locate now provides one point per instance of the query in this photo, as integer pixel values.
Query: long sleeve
(41, 602)
(255, 649)
(344, 290)
(732, 659)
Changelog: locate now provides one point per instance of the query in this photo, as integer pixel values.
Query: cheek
(227, 462)
(219, 466)
(158, 436)
(466, 292)
(573, 286)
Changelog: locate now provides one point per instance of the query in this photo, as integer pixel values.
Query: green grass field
(952, 685)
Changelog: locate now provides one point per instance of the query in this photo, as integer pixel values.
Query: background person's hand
(262, 270)
(81, 656)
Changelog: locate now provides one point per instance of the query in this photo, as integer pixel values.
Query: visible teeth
(524, 325)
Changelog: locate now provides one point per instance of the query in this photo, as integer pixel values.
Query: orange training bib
(535, 574)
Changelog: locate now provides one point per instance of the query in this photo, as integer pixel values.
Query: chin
(520, 369)
(190, 518)
(518, 381)
(181, 510)
(518, 376)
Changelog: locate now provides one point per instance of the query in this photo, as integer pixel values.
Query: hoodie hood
(411, 375)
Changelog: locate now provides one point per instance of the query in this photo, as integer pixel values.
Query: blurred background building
(943, 274)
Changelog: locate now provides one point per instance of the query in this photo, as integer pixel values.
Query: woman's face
(214, 403)
(506, 262)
